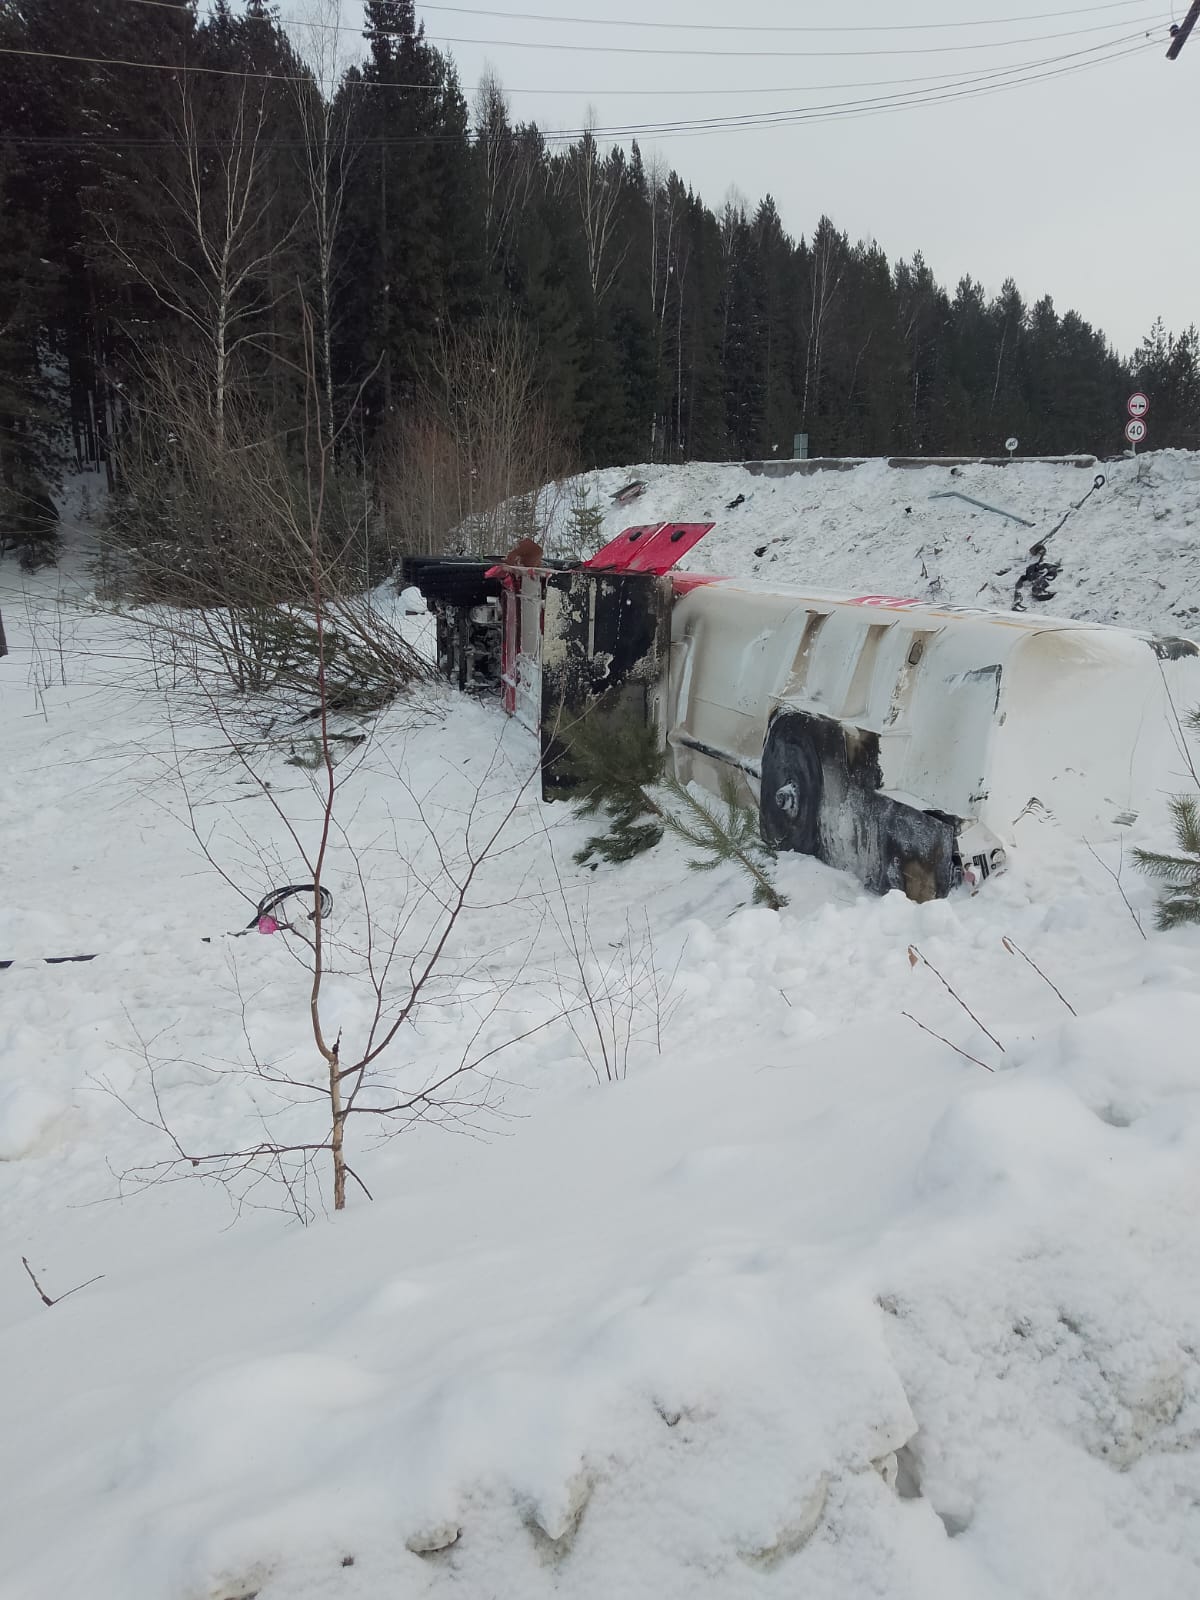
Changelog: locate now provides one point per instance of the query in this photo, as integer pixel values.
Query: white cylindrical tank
(901, 711)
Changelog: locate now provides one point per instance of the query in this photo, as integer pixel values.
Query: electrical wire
(691, 27)
(239, 72)
(771, 27)
(1057, 66)
(594, 93)
(967, 88)
(228, 72)
(851, 111)
(675, 53)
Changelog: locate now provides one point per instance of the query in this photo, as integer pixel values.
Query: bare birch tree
(598, 183)
(328, 153)
(210, 253)
(663, 213)
(732, 232)
(828, 264)
(510, 169)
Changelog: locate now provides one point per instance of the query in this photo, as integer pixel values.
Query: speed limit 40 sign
(1137, 406)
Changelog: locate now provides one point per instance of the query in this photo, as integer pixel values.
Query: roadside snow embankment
(1129, 555)
(831, 1292)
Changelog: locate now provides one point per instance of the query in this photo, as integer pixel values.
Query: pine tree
(663, 328)
(731, 838)
(612, 761)
(585, 522)
(1180, 901)
(31, 404)
(412, 223)
(924, 317)
(96, 119)
(1168, 369)
(618, 767)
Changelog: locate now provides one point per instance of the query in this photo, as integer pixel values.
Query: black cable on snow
(271, 902)
(267, 907)
(1040, 573)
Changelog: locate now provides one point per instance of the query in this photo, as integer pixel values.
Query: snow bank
(811, 1302)
(1129, 555)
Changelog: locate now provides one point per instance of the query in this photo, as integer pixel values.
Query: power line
(990, 82)
(845, 111)
(766, 27)
(428, 88)
(275, 77)
(725, 55)
(690, 27)
(968, 88)
(721, 54)
(770, 55)
(212, 72)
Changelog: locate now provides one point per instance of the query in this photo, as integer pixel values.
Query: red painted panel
(669, 544)
(618, 554)
(654, 547)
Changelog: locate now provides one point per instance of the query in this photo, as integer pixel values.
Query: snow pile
(809, 1301)
(1129, 555)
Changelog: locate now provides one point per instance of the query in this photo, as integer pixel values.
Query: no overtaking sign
(1135, 429)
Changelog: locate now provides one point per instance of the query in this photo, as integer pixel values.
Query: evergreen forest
(212, 214)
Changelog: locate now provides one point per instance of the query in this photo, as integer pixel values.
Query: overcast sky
(1081, 186)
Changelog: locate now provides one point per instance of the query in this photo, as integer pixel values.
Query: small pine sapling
(733, 837)
(585, 523)
(617, 765)
(520, 520)
(1180, 873)
(614, 761)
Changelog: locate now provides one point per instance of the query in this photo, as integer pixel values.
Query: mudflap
(820, 795)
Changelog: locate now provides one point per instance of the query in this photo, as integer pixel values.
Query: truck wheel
(792, 786)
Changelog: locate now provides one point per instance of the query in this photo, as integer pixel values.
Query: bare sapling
(612, 1000)
(205, 555)
(478, 460)
(402, 965)
(917, 958)
(53, 1299)
(1014, 949)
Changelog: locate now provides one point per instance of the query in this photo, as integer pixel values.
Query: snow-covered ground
(1130, 554)
(806, 1302)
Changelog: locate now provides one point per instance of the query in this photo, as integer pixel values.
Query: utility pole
(1179, 33)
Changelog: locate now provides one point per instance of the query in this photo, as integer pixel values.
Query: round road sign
(1137, 404)
(1135, 430)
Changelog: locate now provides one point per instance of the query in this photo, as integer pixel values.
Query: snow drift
(835, 1294)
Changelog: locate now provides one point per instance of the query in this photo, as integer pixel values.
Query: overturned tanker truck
(900, 741)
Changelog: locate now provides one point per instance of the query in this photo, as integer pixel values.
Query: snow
(805, 1302)
(1129, 555)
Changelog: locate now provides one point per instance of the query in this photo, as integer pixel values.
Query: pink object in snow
(267, 925)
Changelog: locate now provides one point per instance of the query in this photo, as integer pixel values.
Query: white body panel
(977, 713)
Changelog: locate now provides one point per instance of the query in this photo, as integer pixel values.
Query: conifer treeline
(200, 212)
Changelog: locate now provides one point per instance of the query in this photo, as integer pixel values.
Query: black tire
(792, 787)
